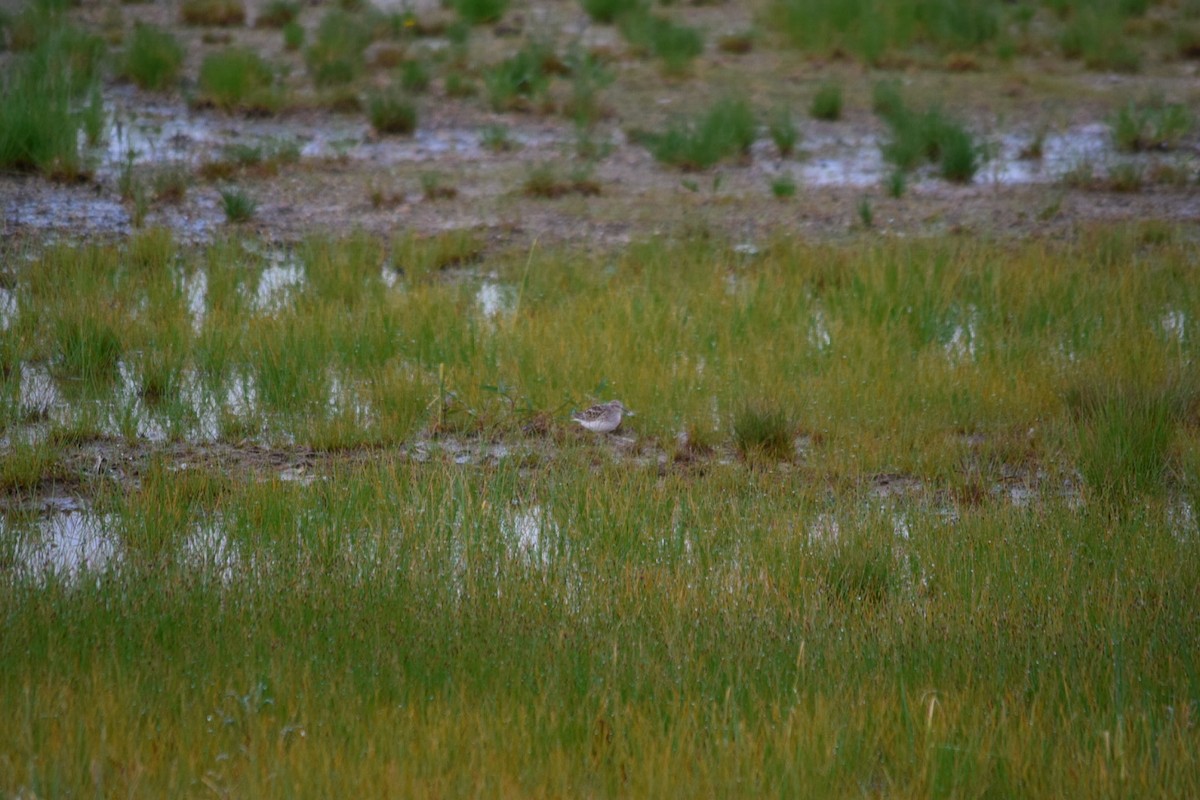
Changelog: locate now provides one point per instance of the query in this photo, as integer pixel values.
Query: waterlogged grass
(596, 631)
(930, 359)
(727, 129)
(567, 620)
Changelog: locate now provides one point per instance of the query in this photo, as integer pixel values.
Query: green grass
(522, 80)
(663, 636)
(238, 79)
(391, 111)
(277, 14)
(606, 12)
(1151, 125)
(479, 12)
(928, 136)
(676, 45)
(153, 58)
(336, 55)
(727, 129)
(583, 616)
(43, 90)
(762, 431)
(783, 132)
(827, 103)
(237, 205)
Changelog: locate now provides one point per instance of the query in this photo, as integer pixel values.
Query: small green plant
(238, 79)
(88, 349)
(827, 102)
(277, 14)
(170, 183)
(497, 139)
(414, 76)
(434, 187)
(763, 431)
(238, 206)
(866, 213)
(1125, 429)
(222, 13)
(1152, 125)
(479, 12)
(459, 84)
(392, 112)
(517, 81)
(728, 129)
(1125, 176)
(783, 187)
(606, 12)
(929, 136)
(896, 183)
(293, 36)
(336, 56)
(544, 181)
(153, 58)
(676, 45)
(588, 79)
(783, 132)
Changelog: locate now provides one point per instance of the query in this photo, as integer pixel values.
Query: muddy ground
(347, 177)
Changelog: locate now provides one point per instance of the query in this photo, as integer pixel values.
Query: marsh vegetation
(291, 503)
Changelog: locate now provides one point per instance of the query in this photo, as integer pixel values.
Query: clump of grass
(545, 181)
(49, 95)
(518, 81)
(277, 14)
(588, 79)
(606, 12)
(1096, 35)
(417, 257)
(293, 36)
(896, 183)
(238, 79)
(87, 348)
(873, 29)
(28, 465)
(929, 136)
(1152, 125)
(237, 205)
(783, 131)
(435, 187)
(153, 58)
(763, 431)
(783, 187)
(479, 12)
(676, 45)
(866, 213)
(827, 102)
(498, 139)
(169, 182)
(392, 112)
(728, 129)
(1125, 430)
(336, 56)
(221, 13)
(414, 76)
(459, 84)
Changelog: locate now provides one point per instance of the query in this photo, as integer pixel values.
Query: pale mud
(348, 178)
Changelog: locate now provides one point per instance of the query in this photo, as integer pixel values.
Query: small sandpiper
(604, 418)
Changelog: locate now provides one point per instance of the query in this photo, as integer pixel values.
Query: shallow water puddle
(65, 543)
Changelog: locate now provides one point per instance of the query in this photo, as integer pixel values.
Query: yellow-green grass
(921, 357)
(387, 630)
